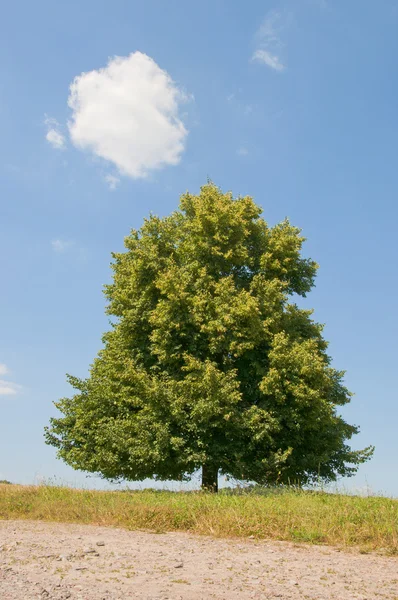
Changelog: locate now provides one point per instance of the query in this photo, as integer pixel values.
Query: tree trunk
(210, 478)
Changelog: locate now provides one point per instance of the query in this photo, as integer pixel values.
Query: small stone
(101, 543)
(89, 551)
(179, 565)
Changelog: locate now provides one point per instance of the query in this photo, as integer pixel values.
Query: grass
(370, 524)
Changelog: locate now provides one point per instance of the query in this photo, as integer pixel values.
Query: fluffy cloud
(54, 136)
(269, 43)
(7, 388)
(271, 60)
(3, 369)
(128, 114)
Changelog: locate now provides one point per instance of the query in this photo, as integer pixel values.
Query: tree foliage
(210, 363)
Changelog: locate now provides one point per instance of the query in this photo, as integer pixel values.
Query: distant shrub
(4, 481)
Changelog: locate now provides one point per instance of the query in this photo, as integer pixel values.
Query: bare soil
(60, 561)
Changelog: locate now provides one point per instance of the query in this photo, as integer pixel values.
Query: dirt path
(59, 561)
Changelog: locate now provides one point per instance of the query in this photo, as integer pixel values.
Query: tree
(209, 362)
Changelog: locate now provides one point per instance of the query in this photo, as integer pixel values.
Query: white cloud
(7, 388)
(61, 246)
(268, 42)
(128, 113)
(3, 369)
(56, 139)
(268, 59)
(54, 136)
(112, 181)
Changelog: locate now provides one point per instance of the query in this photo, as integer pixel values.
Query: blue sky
(293, 103)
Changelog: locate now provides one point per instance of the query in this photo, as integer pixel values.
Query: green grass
(315, 517)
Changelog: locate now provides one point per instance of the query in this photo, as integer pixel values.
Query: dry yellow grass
(342, 520)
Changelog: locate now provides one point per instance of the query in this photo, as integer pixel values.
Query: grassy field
(316, 517)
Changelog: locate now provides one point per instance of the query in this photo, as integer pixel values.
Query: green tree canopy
(210, 363)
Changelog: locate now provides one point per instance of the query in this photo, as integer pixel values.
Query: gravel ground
(60, 561)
